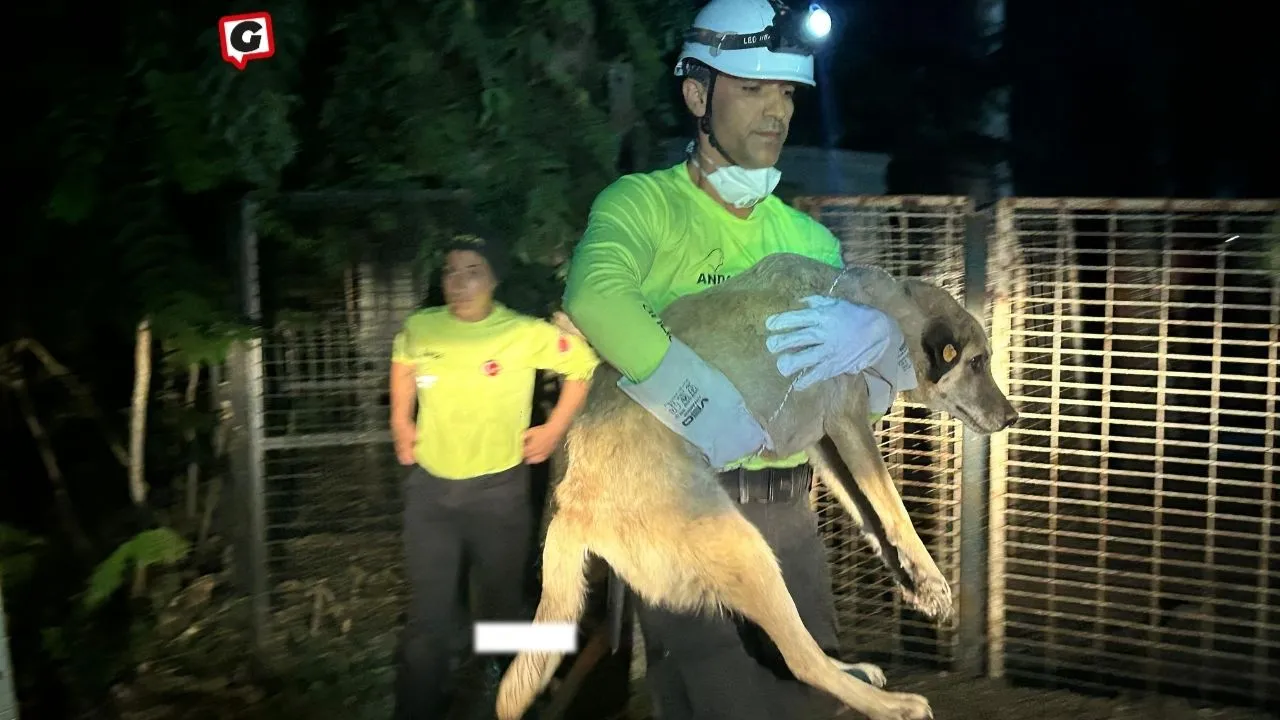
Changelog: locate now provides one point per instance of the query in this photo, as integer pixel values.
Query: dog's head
(953, 361)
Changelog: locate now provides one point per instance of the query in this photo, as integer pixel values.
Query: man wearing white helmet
(653, 237)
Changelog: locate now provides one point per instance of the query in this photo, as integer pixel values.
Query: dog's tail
(564, 598)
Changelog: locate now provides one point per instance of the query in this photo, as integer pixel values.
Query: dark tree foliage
(133, 143)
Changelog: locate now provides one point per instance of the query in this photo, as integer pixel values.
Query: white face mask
(738, 186)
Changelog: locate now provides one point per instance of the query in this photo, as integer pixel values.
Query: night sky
(1107, 97)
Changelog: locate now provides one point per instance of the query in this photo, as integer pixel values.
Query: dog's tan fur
(644, 500)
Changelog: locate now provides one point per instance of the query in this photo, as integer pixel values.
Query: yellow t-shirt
(654, 237)
(475, 384)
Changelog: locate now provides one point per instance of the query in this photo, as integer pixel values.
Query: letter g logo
(246, 37)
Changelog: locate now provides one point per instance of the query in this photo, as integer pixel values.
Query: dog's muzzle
(770, 485)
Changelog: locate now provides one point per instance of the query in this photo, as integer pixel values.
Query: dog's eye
(977, 363)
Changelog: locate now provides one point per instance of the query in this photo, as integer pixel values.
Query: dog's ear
(941, 348)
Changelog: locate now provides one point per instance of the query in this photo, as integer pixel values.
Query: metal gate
(1135, 508)
(316, 480)
(917, 237)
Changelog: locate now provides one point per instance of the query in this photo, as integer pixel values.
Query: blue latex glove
(831, 337)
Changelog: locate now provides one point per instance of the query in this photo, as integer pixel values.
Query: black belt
(769, 485)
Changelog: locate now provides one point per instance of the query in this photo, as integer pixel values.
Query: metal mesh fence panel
(1134, 506)
(318, 481)
(917, 237)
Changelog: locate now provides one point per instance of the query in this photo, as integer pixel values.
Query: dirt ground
(359, 688)
(956, 699)
(340, 632)
(340, 623)
(951, 700)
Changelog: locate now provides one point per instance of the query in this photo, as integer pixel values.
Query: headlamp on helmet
(797, 33)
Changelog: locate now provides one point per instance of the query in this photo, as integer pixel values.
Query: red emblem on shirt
(563, 344)
(491, 368)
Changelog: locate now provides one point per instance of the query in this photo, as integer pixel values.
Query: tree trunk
(88, 408)
(8, 699)
(138, 432)
(220, 437)
(61, 497)
(138, 413)
(193, 467)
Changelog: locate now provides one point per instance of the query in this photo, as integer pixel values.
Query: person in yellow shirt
(657, 236)
(469, 366)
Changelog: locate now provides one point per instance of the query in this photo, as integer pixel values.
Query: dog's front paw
(932, 594)
(903, 706)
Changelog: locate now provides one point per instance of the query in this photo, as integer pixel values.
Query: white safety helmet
(756, 39)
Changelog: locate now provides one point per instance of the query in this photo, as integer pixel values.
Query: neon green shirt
(654, 237)
(475, 384)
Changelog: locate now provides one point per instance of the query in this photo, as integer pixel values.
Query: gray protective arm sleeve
(700, 404)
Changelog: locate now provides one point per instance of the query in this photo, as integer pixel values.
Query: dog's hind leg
(852, 456)
(564, 593)
(742, 573)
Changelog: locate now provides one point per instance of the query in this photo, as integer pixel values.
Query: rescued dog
(647, 502)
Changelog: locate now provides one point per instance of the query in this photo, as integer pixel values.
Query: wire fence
(1138, 493)
(317, 481)
(318, 486)
(1121, 532)
(909, 237)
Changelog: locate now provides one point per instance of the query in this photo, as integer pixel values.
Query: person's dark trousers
(482, 527)
(707, 667)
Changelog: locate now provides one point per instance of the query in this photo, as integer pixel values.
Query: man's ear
(695, 96)
(941, 348)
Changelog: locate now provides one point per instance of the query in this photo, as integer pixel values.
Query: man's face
(750, 118)
(468, 283)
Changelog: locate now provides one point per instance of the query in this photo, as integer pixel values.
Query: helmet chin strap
(704, 122)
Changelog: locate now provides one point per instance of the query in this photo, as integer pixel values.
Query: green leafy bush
(159, 546)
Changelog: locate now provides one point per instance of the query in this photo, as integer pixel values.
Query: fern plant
(156, 547)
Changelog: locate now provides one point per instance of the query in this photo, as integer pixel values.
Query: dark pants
(482, 527)
(704, 667)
